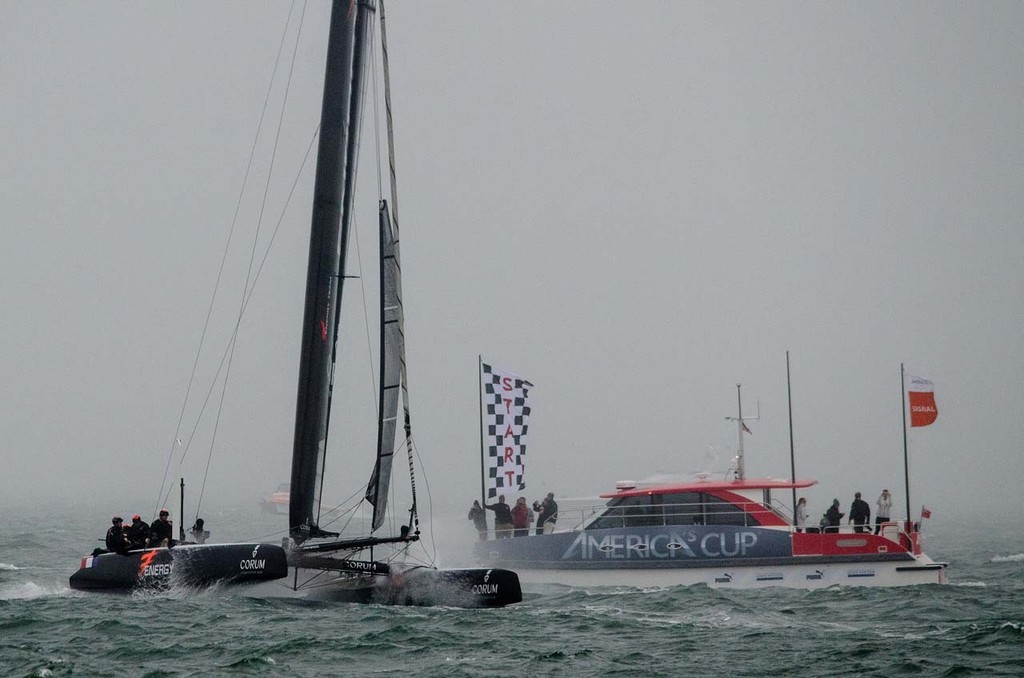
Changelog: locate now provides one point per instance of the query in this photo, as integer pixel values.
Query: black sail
(325, 272)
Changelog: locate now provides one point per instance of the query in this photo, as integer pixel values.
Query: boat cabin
(747, 503)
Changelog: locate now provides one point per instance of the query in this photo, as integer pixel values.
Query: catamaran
(315, 562)
(732, 532)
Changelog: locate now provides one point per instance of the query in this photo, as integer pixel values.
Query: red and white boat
(278, 501)
(734, 533)
(731, 533)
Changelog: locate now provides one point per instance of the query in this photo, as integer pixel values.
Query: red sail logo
(921, 394)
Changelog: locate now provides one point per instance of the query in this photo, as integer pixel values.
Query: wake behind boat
(315, 562)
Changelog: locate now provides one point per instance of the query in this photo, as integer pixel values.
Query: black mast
(328, 236)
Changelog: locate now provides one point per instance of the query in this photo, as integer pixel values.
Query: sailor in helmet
(117, 540)
(138, 533)
(162, 531)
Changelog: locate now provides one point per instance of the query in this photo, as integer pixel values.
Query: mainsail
(335, 170)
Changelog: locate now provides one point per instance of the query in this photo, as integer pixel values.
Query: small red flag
(925, 513)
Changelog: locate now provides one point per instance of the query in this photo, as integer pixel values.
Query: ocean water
(973, 626)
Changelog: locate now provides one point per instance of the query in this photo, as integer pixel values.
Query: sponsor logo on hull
(253, 563)
(670, 545)
(147, 568)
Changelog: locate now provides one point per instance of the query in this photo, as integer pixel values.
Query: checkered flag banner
(506, 410)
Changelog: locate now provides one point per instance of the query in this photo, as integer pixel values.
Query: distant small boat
(278, 501)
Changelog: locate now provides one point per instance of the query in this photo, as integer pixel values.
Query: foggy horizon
(636, 211)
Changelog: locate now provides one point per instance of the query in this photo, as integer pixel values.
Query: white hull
(800, 576)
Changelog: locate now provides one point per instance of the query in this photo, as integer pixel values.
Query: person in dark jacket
(502, 518)
(548, 510)
(833, 517)
(117, 540)
(162, 531)
(479, 517)
(860, 513)
(138, 533)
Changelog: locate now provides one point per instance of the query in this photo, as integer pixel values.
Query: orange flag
(921, 393)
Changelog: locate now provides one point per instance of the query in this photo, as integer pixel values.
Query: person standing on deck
(883, 511)
(521, 517)
(502, 518)
(479, 517)
(833, 517)
(801, 514)
(860, 514)
(548, 514)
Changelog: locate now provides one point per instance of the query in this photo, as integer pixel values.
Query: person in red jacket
(522, 516)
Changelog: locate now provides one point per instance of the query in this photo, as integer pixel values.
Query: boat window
(626, 512)
(720, 512)
(682, 508)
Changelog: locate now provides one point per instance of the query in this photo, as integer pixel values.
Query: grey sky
(635, 206)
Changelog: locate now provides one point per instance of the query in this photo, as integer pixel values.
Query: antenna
(740, 429)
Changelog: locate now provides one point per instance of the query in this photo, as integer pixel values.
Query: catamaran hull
(796, 575)
(717, 556)
(420, 586)
(196, 565)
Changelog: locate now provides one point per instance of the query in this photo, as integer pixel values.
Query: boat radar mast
(741, 428)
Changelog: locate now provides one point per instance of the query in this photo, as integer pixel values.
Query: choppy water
(972, 627)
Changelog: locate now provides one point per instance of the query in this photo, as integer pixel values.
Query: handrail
(692, 513)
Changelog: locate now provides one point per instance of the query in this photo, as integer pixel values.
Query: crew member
(117, 540)
(198, 533)
(162, 531)
(138, 533)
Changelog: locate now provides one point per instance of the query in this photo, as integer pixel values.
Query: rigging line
(414, 448)
(376, 119)
(413, 518)
(227, 246)
(216, 425)
(359, 255)
(273, 153)
(252, 255)
(259, 270)
(390, 122)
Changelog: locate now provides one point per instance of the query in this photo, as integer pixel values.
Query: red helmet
(136, 517)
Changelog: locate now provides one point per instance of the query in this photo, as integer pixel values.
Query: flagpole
(739, 457)
(906, 459)
(480, 394)
(792, 456)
